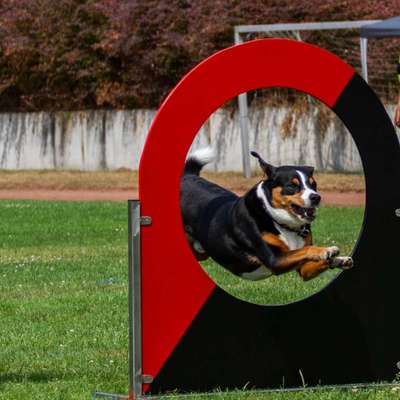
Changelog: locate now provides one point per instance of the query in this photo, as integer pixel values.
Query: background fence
(340, 38)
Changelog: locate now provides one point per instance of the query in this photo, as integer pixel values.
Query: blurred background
(80, 83)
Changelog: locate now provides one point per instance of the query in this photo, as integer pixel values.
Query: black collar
(303, 231)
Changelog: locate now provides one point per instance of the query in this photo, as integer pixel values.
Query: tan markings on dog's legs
(273, 240)
(308, 240)
(308, 253)
(312, 269)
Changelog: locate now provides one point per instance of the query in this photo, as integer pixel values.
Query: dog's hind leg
(311, 269)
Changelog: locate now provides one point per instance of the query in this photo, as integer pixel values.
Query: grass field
(63, 300)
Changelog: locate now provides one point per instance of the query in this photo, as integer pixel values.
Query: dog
(263, 233)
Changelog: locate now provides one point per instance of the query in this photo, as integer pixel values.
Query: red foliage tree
(129, 53)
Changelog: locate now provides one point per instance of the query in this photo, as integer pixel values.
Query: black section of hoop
(347, 332)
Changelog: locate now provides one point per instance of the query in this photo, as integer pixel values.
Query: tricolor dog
(265, 232)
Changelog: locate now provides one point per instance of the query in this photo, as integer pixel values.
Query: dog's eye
(291, 188)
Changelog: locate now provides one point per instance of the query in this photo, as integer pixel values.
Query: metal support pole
(364, 58)
(135, 311)
(244, 125)
(243, 29)
(244, 134)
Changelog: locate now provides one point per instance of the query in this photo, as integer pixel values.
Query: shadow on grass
(36, 377)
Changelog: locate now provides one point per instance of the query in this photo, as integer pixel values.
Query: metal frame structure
(136, 378)
(297, 28)
(135, 306)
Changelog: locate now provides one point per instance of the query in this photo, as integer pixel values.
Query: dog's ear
(308, 170)
(268, 169)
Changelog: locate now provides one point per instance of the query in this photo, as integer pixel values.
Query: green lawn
(63, 299)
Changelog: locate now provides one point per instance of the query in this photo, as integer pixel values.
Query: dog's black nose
(315, 199)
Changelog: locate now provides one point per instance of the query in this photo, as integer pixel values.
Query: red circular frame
(174, 286)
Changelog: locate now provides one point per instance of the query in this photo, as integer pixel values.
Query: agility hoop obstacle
(189, 335)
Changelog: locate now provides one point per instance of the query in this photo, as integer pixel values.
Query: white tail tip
(203, 156)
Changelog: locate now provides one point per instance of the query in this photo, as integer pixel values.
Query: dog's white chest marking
(293, 240)
(258, 274)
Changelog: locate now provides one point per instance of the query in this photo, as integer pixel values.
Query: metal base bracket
(109, 396)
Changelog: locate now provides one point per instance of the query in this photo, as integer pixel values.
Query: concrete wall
(90, 140)
(86, 140)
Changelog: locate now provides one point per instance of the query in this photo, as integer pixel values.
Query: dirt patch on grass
(329, 198)
(68, 180)
(69, 195)
(127, 180)
(338, 189)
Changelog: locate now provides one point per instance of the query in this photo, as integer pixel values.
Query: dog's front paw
(322, 253)
(330, 252)
(341, 262)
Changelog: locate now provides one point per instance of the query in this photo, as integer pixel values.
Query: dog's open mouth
(307, 213)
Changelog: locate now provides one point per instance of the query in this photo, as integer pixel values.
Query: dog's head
(289, 193)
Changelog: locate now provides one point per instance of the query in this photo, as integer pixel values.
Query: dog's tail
(198, 159)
